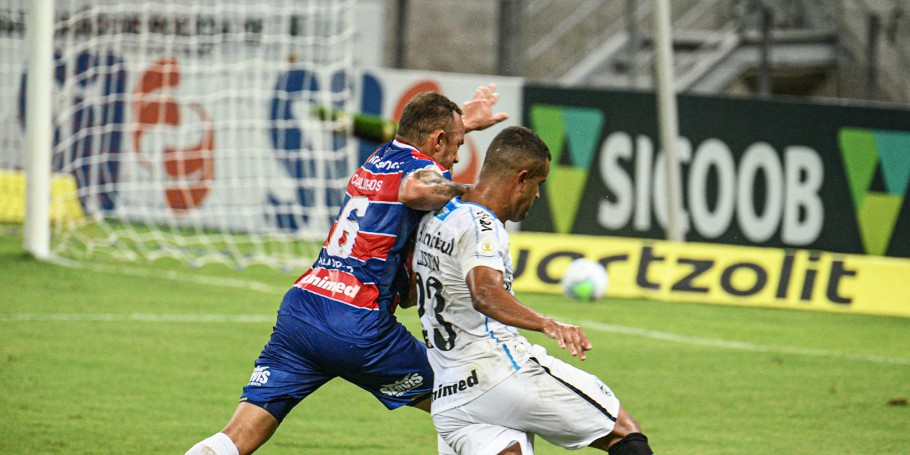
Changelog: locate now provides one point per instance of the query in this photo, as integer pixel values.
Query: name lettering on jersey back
(434, 241)
(378, 187)
(331, 263)
(445, 390)
(427, 260)
(366, 184)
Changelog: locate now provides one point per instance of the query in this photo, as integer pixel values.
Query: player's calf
(625, 439)
(217, 444)
(632, 444)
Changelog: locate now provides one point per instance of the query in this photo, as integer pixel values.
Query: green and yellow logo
(864, 152)
(572, 134)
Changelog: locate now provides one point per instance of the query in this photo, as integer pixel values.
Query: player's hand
(411, 299)
(477, 114)
(570, 337)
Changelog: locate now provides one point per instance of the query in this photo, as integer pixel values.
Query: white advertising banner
(221, 137)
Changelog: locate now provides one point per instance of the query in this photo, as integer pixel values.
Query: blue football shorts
(300, 358)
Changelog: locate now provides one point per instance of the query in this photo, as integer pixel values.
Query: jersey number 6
(341, 240)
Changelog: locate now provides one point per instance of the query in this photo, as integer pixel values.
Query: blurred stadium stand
(857, 49)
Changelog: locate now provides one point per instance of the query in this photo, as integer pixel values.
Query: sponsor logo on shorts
(260, 376)
(460, 386)
(402, 386)
(603, 387)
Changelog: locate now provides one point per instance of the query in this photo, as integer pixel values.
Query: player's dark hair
(514, 149)
(424, 114)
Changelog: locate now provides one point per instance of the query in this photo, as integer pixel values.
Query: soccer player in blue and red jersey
(338, 318)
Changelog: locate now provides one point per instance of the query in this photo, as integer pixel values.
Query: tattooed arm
(427, 189)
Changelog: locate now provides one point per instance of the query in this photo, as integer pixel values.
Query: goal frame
(123, 114)
(38, 127)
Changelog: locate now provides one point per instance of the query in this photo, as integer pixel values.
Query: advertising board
(720, 274)
(755, 172)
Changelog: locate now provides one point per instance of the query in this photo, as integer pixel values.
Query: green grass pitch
(106, 358)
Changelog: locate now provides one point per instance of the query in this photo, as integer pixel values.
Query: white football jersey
(469, 352)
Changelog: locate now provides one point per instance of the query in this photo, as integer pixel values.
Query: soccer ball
(585, 280)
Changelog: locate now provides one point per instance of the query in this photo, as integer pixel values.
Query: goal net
(187, 128)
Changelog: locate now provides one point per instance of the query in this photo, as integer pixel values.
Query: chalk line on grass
(736, 345)
(271, 289)
(172, 275)
(588, 325)
(135, 317)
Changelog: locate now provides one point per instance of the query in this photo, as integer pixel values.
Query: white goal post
(38, 122)
(176, 128)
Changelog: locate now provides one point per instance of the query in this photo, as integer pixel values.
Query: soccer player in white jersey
(493, 391)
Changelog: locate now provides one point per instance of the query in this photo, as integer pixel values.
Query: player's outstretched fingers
(570, 342)
(569, 337)
(552, 329)
(585, 343)
(489, 96)
(579, 342)
(477, 113)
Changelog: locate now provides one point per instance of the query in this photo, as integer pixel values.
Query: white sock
(217, 444)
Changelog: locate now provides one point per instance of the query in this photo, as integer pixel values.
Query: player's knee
(249, 428)
(625, 439)
(631, 444)
(625, 424)
(514, 449)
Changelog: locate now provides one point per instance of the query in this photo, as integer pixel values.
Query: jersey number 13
(431, 291)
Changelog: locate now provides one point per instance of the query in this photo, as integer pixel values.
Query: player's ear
(439, 139)
(523, 176)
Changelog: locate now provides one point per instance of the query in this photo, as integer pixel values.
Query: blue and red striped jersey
(353, 288)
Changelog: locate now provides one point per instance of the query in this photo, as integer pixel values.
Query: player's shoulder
(414, 159)
(482, 219)
(386, 159)
(463, 213)
(394, 156)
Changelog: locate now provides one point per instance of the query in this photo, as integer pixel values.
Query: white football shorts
(562, 404)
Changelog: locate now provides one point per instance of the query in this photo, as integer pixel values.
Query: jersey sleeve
(479, 244)
(423, 166)
(420, 162)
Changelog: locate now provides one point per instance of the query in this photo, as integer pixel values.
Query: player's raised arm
(427, 189)
(478, 112)
(491, 298)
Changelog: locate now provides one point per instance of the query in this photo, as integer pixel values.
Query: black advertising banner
(755, 172)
